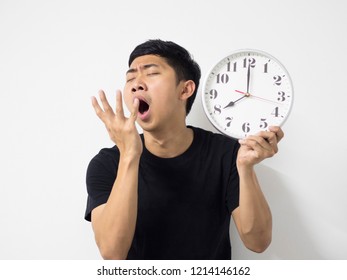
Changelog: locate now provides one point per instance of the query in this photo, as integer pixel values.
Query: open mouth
(143, 107)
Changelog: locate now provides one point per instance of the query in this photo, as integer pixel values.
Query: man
(170, 192)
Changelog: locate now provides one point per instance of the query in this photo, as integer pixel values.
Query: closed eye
(130, 79)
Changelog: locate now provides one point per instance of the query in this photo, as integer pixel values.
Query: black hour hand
(232, 103)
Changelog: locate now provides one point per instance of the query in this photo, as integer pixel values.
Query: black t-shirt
(184, 203)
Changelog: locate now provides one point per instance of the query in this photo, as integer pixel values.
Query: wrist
(130, 157)
(245, 169)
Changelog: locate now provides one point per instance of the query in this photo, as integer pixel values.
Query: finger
(271, 138)
(105, 104)
(257, 142)
(135, 109)
(261, 148)
(119, 104)
(278, 131)
(99, 112)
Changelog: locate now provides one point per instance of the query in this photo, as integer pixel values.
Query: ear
(188, 89)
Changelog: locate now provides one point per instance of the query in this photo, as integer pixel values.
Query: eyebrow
(146, 66)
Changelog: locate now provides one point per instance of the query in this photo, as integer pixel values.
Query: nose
(137, 88)
(139, 85)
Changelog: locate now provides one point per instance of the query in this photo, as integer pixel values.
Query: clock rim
(233, 53)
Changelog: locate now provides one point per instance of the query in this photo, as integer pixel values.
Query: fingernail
(136, 101)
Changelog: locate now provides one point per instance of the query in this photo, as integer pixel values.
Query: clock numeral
(275, 112)
(213, 94)
(233, 66)
(222, 78)
(263, 123)
(266, 66)
(281, 96)
(217, 109)
(228, 120)
(251, 61)
(246, 127)
(278, 80)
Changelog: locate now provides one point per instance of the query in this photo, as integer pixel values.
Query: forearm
(253, 216)
(255, 220)
(115, 226)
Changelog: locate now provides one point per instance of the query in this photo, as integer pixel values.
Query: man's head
(177, 57)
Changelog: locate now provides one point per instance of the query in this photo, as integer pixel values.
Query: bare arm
(114, 222)
(253, 216)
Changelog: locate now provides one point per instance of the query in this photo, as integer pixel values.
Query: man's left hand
(258, 147)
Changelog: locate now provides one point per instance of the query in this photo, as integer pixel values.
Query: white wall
(54, 55)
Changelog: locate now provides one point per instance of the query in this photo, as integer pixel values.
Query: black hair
(177, 57)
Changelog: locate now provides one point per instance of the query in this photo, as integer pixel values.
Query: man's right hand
(122, 130)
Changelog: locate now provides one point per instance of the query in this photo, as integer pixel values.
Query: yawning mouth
(143, 107)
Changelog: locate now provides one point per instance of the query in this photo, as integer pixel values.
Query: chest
(196, 185)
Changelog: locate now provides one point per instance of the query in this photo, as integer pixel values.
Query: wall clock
(246, 92)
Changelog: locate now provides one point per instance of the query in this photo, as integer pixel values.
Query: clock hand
(248, 75)
(251, 95)
(232, 103)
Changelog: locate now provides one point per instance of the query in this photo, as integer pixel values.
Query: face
(154, 83)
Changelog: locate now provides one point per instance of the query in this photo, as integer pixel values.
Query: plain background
(54, 55)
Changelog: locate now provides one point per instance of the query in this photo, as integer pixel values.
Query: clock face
(247, 92)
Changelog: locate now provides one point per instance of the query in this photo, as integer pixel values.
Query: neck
(169, 143)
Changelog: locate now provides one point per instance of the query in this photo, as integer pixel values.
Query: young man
(170, 192)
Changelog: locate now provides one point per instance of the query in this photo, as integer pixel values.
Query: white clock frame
(275, 80)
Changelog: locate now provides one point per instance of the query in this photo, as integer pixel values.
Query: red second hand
(248, 95)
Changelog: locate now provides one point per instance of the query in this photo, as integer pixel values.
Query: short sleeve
(100, 177)
(233, 187)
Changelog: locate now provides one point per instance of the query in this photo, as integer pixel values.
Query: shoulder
(106, 159)
(215, 140)
(100, 177)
